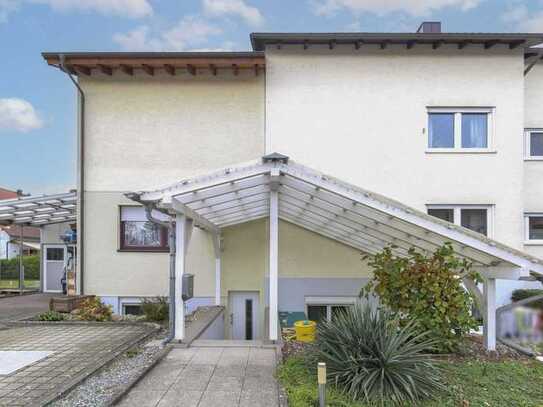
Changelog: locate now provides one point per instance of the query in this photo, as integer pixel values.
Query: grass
(469, 383)
(12, 284)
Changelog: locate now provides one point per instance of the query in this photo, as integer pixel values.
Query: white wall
(361, 116)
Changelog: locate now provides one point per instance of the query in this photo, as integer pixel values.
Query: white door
(54, 260)
(244, 314)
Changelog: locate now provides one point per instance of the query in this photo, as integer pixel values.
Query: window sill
(533, 158)
(459, 151)
(533, 243)
(143, 250)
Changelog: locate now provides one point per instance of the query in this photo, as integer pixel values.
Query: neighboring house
(447, 124)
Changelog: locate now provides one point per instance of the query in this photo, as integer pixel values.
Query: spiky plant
(372, 358)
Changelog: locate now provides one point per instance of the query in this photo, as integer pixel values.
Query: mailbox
(187, 287)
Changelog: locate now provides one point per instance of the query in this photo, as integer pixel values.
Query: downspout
(171, 242)
(81, 173)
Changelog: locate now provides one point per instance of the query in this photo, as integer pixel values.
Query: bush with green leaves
(92, 309)
(371, 357)
(9, 269)
(51, 316)
(155, 309)
(522, 294)
(426, 289)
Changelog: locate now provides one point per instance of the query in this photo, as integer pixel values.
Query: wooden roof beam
(332, 44)
(384, 44)
(106, 70)
(213, 69)
(463, 44)
(306, 44)
(149, 70)
(513, 45)
(358, 44)
(83, 69)
(256, 69)
(490, 44)
(170, 69)
(127, 69)
(437, 44)
(235, 69)
(191, 69)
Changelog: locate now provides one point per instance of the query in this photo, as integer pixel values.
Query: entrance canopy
(332, 208)
(38, 210)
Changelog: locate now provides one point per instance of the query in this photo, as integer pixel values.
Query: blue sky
(37, 103)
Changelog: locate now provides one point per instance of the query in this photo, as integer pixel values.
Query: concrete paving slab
(219, 398)
(12, 360)
(185, 398)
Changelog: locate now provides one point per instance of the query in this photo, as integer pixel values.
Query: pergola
(278, 188)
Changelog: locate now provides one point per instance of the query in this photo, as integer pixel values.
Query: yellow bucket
(305, 330)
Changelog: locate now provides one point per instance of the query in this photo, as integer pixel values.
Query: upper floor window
(533, 228)
(474, 217)
(534, 144)
(138, 234)
(460, 130)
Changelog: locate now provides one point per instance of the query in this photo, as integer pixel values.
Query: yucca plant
(372, 358)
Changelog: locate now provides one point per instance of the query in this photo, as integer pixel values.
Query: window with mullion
(458, 129)
(473, 218)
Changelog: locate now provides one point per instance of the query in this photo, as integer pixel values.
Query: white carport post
(274, 252)
(183, 231)
(489, 314)
(217, 248)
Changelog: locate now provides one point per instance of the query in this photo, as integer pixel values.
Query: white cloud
(382, 7)
(521, 19)
(234, 7)
(18, 114)
(125, 8)
(189, 32)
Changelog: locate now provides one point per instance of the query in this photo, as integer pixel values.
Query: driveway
(209, 377)
(23, 306)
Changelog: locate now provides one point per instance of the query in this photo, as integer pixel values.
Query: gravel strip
(101, 388)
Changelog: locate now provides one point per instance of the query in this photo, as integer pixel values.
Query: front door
(54, 258)
(243, 314)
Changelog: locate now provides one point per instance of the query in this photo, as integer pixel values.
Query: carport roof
(39, 210)
(327, 206)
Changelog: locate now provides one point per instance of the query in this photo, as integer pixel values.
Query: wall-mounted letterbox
(187, 287)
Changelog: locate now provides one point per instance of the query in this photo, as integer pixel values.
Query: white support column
(489, 315)
(183, 231)
(273, 267)
(217, 247)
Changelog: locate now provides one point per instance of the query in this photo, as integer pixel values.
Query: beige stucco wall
(361, 116)
(146, 132)
(533, 170)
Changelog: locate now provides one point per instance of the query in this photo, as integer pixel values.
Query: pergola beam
(198, 220)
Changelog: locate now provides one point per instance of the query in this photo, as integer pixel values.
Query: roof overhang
(259, 41)
(332, 208)
(88, 63)
(39, 210)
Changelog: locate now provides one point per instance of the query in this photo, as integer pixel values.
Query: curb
(119, 394)
(283, 397)
(94, 368)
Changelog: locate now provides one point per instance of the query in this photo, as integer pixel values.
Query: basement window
(132, 309)
(320, 309)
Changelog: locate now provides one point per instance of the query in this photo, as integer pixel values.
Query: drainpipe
(81, 172)
(171, 242)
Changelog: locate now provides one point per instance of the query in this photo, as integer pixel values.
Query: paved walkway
(74, 351)
(23, 306)
(209, 377)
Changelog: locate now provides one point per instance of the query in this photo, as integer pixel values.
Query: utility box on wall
(187, 291)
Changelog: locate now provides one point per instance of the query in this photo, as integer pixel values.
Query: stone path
(77, 350)
(23, 306)
(209, 377)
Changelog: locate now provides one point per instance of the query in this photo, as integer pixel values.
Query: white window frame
(458, 111)
(527, 144)
(527, 240)
(457, 215)
(328, 302)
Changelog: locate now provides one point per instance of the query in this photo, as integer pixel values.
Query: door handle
(231, 319)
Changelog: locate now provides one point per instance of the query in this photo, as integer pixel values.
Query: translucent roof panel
(39, 210)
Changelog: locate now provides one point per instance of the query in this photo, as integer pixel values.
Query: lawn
(12, 284)
(469, 383)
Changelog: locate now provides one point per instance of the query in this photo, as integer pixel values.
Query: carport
(279, 188)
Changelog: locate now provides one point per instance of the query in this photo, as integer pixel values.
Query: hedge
(526, 293)
(9, 269)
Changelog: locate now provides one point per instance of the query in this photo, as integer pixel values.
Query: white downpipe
(274, 274)
(217, 281)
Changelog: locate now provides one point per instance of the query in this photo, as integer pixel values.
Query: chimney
(430, 27)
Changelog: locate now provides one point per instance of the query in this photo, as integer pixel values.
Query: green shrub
(527, 293)
(9, 269)
(428, 290)
(92, 309)
(372, 358)
(155, 309)
(51, 316)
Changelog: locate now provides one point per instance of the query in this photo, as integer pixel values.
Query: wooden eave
(193, 63)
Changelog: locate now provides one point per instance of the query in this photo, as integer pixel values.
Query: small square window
(132, 309)
(536, 144)
(317, 313)
(444, 214)
(474, 130)
(55, 254)
(535, 227)
(441, 130)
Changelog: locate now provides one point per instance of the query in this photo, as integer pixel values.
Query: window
(534, 144)
(138, 234)
(132, 309)
(55, 254)
(534, 228)
(473, 217)
(464, 130)
(326, 308)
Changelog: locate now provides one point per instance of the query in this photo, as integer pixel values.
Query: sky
(38, 103)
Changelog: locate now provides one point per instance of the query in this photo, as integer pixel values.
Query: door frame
(52, 246)
(255, 295)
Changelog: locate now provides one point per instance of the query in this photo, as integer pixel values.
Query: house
(409, 139)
